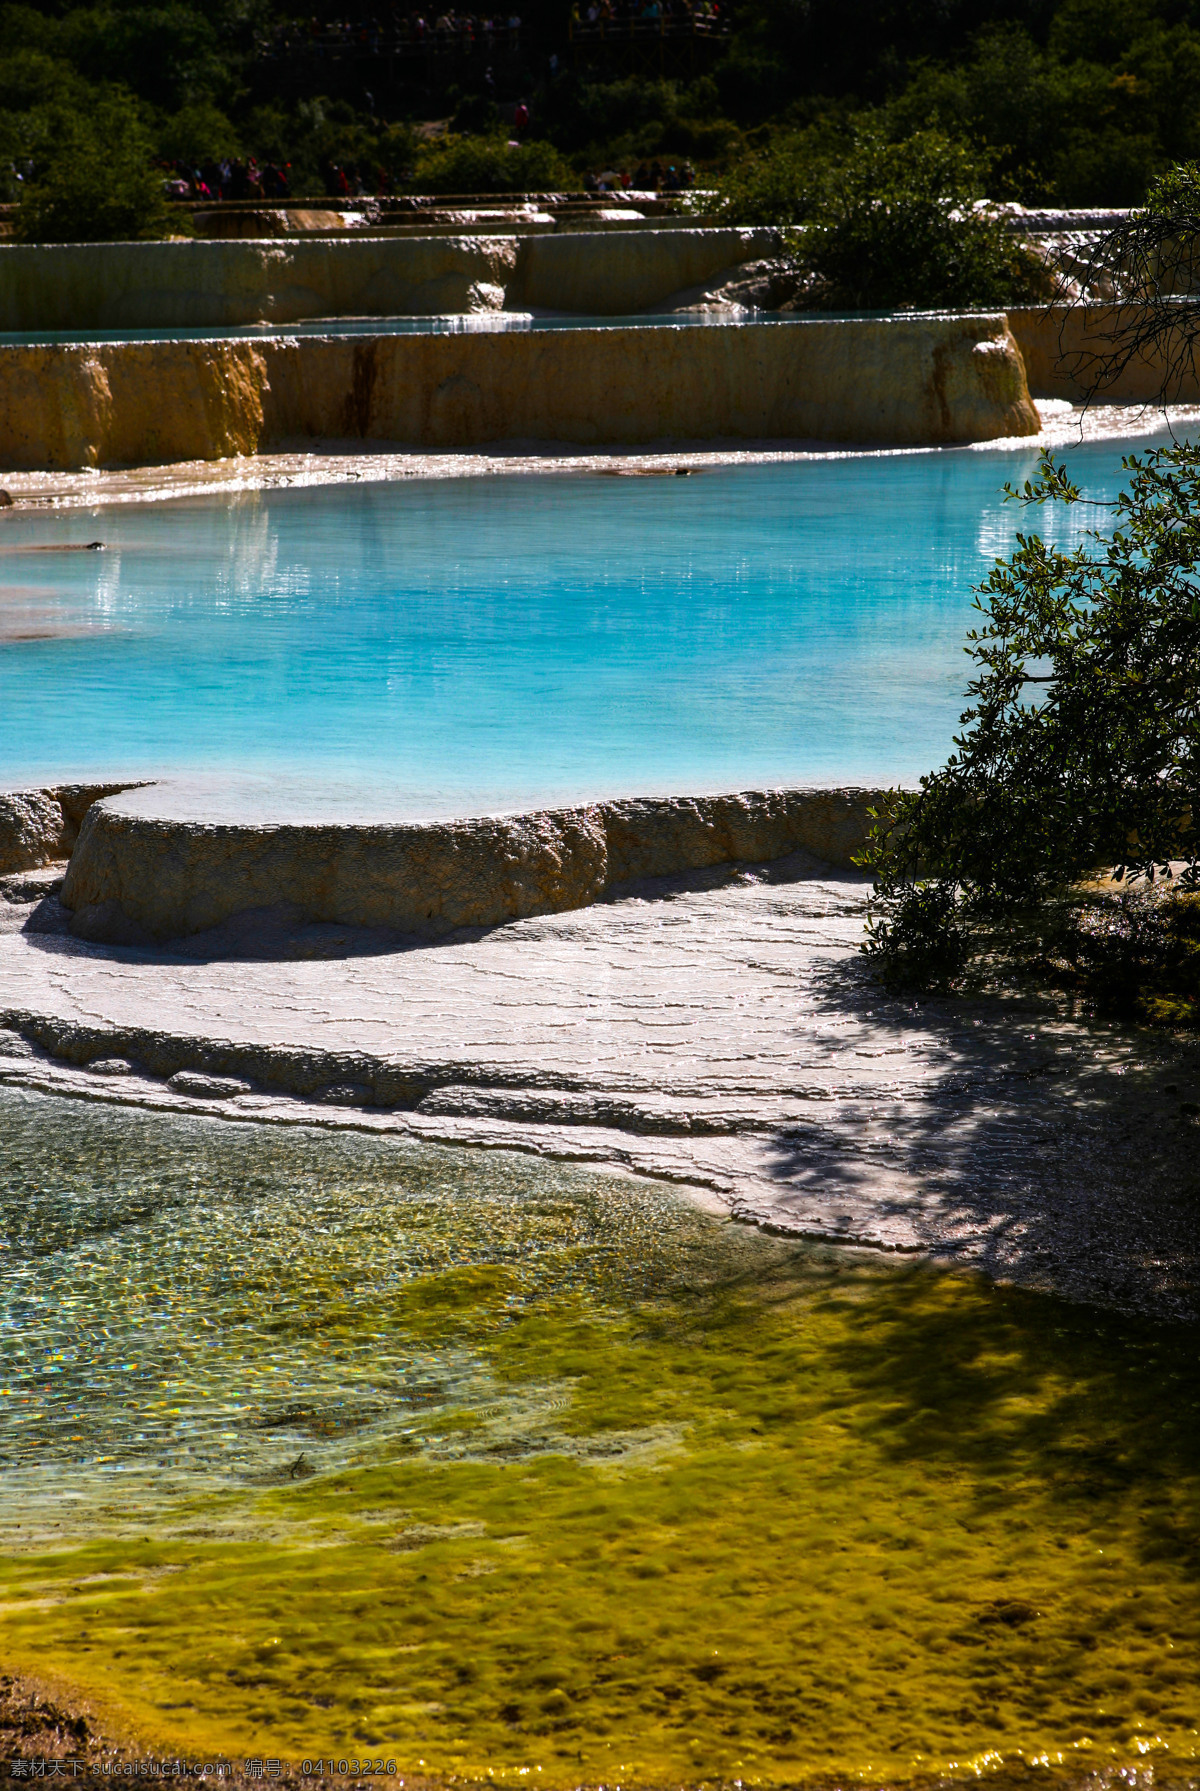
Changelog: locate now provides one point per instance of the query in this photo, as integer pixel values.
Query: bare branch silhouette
(1134, 304)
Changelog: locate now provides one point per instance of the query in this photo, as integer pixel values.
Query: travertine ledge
(1064, 348)
(39, 826)
(719, 1029)
(148, 865)
(901, 381)
(176, 285)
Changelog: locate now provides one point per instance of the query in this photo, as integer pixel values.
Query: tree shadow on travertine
(1040, 1148)
(276, 934)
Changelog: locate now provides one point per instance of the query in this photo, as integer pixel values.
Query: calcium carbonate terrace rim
(330, 463)
(172, 857)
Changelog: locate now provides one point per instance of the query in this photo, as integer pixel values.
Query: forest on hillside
(1068, 102)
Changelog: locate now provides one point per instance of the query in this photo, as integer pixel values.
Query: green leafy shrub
(93, 178)
(167, 52)
(1133, 956)
(488, 165)
(777, 184)
(885, 224)
(901, 224)
(199, 132)
(1080, 750)
(30, 79)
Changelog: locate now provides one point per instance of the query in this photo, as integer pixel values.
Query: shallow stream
(317, 1444)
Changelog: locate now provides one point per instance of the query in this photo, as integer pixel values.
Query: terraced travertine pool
(314, 1444)
(469, 323)
(449, 644)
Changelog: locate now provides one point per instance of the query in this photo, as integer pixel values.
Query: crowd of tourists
(374, 36)
(647, 177)
(598, 16)
(229, 179)
(396, 32)
(270, 181)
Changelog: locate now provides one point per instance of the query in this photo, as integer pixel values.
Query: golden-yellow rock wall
(1061, 347)
(903, 381)
(147, 866)
(130, 403)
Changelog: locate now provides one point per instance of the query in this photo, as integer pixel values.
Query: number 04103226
(345, 1769)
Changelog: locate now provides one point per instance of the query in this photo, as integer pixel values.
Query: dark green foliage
(1081, 748)
(1078, 103)
(918, 936)
(780, 184)
(596, 111)
(868, 46)
(30, 78)
(1069, 102)
(199, 132)
(92, 177)
(1072, 130)
(897, 224)
(317, 135)
(165, 54)
(619, 123)
(886, 224)
(1135, 955)
(487, 165)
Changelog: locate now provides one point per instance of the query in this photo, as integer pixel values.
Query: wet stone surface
(717, 1031)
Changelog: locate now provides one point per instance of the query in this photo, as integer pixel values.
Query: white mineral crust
(717, 1030)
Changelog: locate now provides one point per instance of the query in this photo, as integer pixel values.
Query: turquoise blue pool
(513, 638)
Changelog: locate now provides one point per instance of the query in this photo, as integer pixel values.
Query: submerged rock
(209, 1088)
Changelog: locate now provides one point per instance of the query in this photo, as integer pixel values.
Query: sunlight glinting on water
(517, 639)
(184, 1297)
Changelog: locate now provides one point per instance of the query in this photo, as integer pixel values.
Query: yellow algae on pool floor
(672, 1500)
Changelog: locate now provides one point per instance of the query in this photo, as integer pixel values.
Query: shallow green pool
(314, 1445)
(194, 1302)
